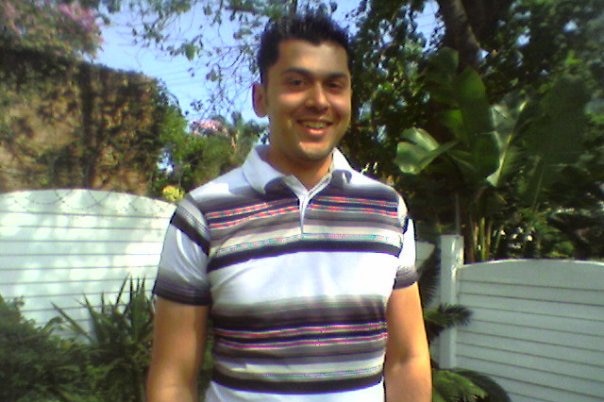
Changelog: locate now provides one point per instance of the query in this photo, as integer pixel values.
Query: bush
(35, 364)
(119, 344)
(107, 363)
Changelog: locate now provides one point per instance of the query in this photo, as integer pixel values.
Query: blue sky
(120, 52)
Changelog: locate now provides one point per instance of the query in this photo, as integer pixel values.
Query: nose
(316, 98)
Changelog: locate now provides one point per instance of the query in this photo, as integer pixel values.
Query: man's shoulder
(222, 186)
(363, 182)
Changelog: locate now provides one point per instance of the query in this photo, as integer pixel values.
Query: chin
(316, 155)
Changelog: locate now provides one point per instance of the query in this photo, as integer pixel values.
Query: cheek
(289, 102)
(343, 107)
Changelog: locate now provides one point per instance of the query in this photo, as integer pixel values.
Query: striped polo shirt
(297, 280)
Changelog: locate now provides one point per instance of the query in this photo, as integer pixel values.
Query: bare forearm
(160, 391)
(179, 335)
(409, 381)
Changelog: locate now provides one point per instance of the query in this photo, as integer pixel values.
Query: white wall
(58, 245)
(537, 327)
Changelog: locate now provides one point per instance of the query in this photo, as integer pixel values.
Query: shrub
(119, 343)
(35, 364)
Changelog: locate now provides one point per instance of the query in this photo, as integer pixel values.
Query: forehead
(324, 57)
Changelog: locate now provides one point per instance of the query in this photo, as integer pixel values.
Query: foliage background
(69, 124)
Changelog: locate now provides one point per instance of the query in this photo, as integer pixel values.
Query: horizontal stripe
(346, 357)
(283, 343)
(388, 202)
(375, 191)
(290, 322)
(353, 207)
(270, 227)
(297, 387)
(327, 326)
(309, 373)
(238, 217)
(173, 291)
(282, 314)
(288, 236)
(326, 352)
(324, 245)
(303, 331)
(361, 219)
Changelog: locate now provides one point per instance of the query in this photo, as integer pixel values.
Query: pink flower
(10, 15)
(82, 16)
(208, 127)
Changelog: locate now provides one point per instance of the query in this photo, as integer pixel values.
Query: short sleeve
(406, 274)
(182, 276)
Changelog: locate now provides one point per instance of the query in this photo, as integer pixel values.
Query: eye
(336, 85)
(295, 82)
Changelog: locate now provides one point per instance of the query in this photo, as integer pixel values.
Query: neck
(309, 173)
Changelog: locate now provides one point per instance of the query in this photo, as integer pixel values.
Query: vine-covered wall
(71, 124)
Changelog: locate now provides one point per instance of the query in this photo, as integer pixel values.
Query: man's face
(307, 98)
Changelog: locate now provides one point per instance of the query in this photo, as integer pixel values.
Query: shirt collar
(265, 179)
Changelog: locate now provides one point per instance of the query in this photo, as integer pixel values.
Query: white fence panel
(536, 327)
(58, 245)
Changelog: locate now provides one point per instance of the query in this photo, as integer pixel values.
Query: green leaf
(473, 103)
(494, 391)
(410, 158)
(419, 152)
(508, 162)
(454, 386)
(486, 153)
(440, 74)
(190, 51)
(421, 138)
(453, 120)
(442, 66)
(552, 130)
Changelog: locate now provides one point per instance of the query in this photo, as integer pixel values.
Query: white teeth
(314, 124)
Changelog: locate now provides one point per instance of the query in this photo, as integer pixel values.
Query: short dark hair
(312, 26)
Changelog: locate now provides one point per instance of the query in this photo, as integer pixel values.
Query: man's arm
(179, 336)
(407, 373)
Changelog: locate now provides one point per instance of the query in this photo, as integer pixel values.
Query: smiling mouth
(315, 125)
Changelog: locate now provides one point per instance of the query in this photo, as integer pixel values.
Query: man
(305, 266)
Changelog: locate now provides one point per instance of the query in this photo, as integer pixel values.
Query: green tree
(501, 161)
(396, 90)
(210, 147)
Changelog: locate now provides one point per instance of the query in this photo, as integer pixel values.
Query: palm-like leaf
(445, 316)
(452, 386)
(494, 391)
(119, 341)
(551, 128)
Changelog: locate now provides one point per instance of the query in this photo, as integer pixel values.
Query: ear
(259, 99)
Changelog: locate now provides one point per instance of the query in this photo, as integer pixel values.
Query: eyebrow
(308, 73)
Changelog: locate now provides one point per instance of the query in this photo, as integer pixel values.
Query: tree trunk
(458, 32)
